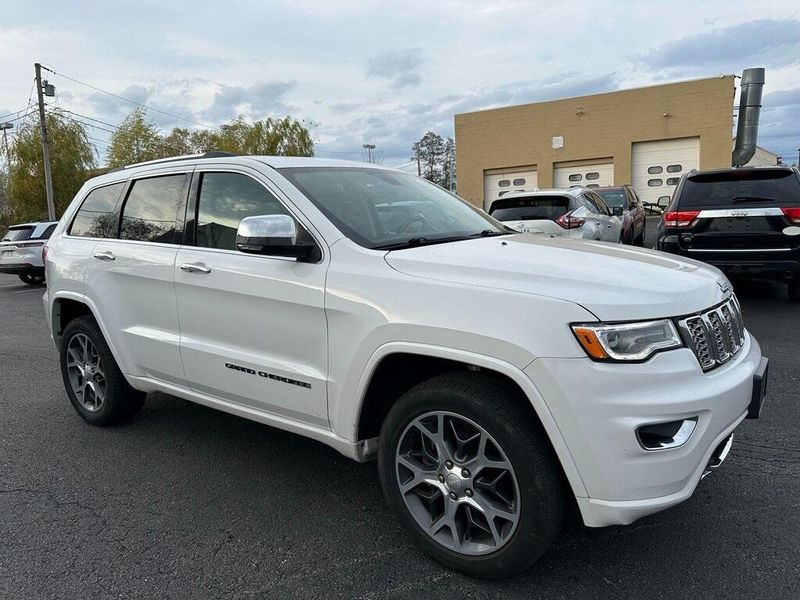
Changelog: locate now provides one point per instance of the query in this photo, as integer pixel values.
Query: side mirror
(617, 211)
(272, 235)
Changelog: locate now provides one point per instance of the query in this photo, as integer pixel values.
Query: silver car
(578, 213)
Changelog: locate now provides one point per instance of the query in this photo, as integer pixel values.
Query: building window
(501, 194)
(592, 176)
(593, 185)
(672, 180)
(504, 183)
(654, 170)
(519, 181)
(575, 177)
(655, 182)
(674, 168)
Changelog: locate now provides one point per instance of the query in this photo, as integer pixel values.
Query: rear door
(532, 214)
(740, 214)
(131, 277)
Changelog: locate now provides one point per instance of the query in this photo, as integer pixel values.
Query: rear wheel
(31, 279)
(471, 475)
(794, 291)
(95, 385)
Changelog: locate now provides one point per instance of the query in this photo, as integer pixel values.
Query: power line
(72, 112)
(163, 112)
(74, 120)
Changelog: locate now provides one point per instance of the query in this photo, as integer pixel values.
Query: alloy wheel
(85, 372)
(457, 483)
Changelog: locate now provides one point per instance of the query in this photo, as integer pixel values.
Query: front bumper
(598, 407)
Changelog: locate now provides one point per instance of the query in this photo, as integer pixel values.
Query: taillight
(44, 254)
(567, 221)
(680, 218)
(793, 214)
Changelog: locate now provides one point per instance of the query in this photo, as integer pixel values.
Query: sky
(384, 72)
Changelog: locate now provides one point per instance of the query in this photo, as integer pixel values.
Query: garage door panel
(657, 166)
(586, 175)
(497, 185)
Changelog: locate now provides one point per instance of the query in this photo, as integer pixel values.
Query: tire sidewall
(539, 489)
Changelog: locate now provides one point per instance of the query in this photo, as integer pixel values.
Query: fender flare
(514, 372)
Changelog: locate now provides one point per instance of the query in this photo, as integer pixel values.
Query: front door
(253, 328)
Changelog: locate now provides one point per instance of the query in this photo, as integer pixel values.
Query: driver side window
(225, 199)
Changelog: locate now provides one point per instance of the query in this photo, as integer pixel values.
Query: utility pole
(48, 175)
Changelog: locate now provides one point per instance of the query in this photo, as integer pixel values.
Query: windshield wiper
(423, 241)
(737, 199)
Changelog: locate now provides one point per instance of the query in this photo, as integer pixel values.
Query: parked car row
(499, 378)
(608, 214)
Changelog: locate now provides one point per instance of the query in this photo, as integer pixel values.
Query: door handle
(105, 255)
(195, 268)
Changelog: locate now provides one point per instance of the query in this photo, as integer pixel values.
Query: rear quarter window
(741, 188)
(536, 207)
(97, 217)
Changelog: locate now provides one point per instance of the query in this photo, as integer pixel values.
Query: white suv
(498, 377)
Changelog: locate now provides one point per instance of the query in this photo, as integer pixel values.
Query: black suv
(745, 221)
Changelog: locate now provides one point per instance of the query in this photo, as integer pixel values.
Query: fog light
(662, 436)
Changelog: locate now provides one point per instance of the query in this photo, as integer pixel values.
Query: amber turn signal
(588, 339)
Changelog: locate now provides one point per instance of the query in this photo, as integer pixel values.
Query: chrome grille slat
(715, 335)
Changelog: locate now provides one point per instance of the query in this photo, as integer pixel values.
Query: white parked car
(578, 213)
(497, 377)
(21, 250)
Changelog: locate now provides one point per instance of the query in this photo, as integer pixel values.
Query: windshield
(613, 197)
(528, 209)
(377, 208)
(743, 187)
(16, 234)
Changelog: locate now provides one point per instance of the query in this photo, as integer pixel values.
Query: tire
(472, 402)
(108, 399)
(793, 288)
(31, 279)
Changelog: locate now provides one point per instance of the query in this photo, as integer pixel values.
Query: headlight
(627, 341)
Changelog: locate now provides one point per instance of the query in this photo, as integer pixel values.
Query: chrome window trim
(773, 211)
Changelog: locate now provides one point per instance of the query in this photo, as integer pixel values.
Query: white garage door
(592, 175)
(497, 185)
(656, 167)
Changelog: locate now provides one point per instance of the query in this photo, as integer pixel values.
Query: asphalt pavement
(188, 502)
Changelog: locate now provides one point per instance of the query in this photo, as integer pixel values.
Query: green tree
(436, 157)
(271, 137)
(136, 140)
(71, 159)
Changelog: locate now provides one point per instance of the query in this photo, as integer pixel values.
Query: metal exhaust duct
(749, 110)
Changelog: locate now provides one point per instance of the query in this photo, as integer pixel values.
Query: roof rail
(212, 154)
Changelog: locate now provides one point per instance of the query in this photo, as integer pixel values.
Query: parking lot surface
(187, 502)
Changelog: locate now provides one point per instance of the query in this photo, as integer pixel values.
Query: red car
(633, 217)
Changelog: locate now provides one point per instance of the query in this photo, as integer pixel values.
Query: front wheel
(471, 475)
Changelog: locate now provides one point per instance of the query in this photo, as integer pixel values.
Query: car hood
(614, 282)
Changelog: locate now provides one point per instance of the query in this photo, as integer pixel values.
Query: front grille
(716, 335)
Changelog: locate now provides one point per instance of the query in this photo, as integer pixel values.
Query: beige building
(647, 136)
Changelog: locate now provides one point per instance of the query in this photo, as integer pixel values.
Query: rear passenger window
(226, 199)
(97, 217)
(150, 212)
